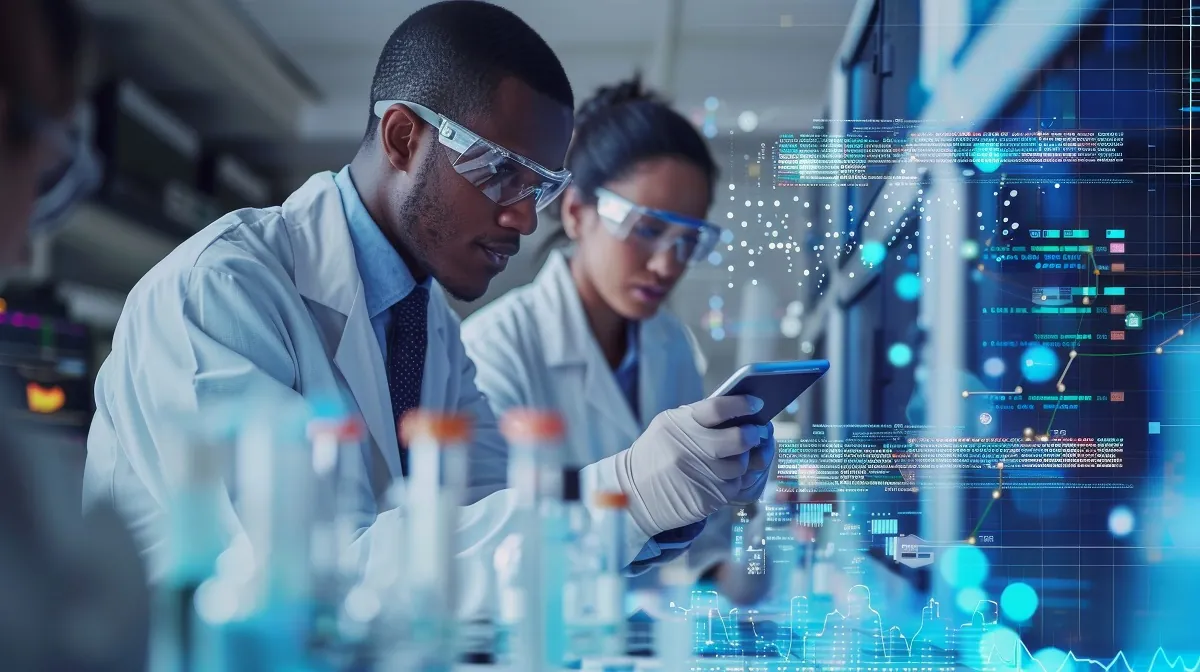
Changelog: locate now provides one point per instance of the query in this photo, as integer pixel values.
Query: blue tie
(406, 356)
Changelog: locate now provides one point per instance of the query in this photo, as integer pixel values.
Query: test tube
(195, 542)
(276, 497)
(436, 489)
(334, 457)
(609, 528)
(535, 471)
(673, 643)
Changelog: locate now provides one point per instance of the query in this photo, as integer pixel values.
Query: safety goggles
(69, 170)
(656, 230)
(503, 176)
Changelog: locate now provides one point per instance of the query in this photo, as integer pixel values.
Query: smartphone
(778, 384)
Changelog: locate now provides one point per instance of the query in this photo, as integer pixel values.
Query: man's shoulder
(250, 245)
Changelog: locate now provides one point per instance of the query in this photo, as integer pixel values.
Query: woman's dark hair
(618, 128)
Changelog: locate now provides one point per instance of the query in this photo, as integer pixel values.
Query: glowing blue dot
(987, 156)
(1000, 647)
(794, 406)
(1052, 659)
(1019, 601)
(908, 287)
(968, 599)
(873, 253)
(963, 566)
(715, 302)
(1120, 521)
(711, 103)
(714, 258)
(710, 130)
(328, 409)
(994, 367)
(900, 355)
(726, 236)
(718, 334)
(1039, 364)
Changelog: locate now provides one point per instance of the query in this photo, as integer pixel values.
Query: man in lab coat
(340, 293)
(72, 588)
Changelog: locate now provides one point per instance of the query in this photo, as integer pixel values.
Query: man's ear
(399, 137)
(572, 212)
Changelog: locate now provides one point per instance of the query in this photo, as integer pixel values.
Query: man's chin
(466, 292)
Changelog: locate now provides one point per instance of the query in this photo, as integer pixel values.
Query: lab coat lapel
(570, 344)
(326, 272)
(656, 379)
(361, 364)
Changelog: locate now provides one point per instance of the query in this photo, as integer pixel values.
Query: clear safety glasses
(656, 230)
(503, 176)
(69, 169)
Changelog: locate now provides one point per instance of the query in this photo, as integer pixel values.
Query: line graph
(853, 638)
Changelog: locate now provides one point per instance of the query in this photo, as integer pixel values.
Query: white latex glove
(681, 470)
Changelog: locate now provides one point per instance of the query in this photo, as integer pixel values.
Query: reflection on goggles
(503, 176)
(656, 230)
(71, 171)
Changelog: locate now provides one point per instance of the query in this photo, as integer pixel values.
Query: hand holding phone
(777, 384)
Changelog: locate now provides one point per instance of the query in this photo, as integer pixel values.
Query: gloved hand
(681, 470)
(758, 467)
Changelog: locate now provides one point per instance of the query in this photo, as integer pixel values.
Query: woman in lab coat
(590, 337)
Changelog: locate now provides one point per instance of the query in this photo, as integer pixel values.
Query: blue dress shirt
(627, 371)
(386, 278)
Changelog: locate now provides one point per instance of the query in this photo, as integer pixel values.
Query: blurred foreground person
(339, 294)
(590, 337)
(72, 589)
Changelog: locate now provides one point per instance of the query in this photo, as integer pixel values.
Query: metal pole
(666, 50)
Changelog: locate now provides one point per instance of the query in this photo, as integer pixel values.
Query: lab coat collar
(318, 229)
(326, 272)
(570, 343)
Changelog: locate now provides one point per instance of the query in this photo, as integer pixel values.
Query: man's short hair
(450, 56)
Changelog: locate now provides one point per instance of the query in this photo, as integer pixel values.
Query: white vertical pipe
(942, 311)
(666, 50)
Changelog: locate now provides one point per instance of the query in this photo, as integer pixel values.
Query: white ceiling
(768, 56)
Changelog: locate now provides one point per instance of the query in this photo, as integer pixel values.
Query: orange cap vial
(444, 428)
(611, 500)
(531, 424)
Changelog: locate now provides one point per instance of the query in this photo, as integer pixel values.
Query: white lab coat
(533, 347)
(266, 308)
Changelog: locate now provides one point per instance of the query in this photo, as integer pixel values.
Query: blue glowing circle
(1039, 364)
(714, 258)
(715, 302)
(968, 599)
(908, 287)
(1120, 521)
(794, 406)
(900, 355)
(710, 130)
(711, 103)
(1052, 660)
(1001, 647)
(987, 156)
(963, 566)
(726, 236)
(718, 334)
(873, 253)
(1019, 601)
(994, 367)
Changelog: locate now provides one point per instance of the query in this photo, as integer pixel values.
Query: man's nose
(520, 216)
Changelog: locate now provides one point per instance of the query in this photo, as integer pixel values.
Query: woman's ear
(572, 212)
